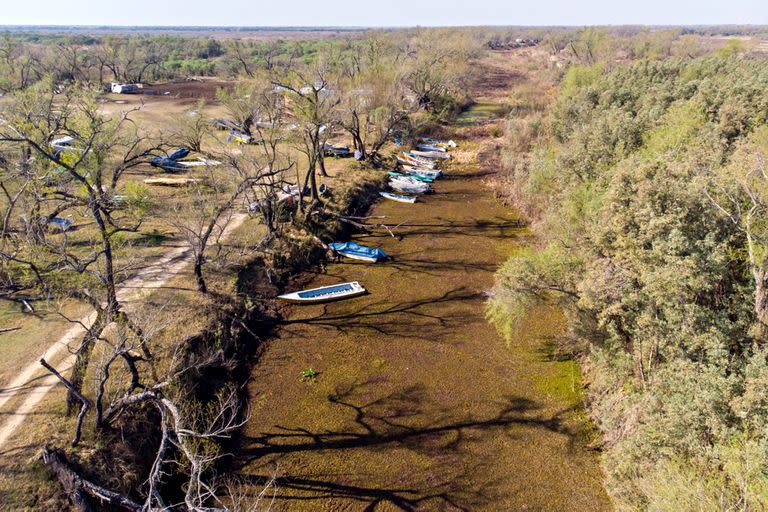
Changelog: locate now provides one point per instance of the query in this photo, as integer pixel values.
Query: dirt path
(33, 383)
(419, 404)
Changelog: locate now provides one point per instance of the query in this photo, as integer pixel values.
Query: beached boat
(398, 197)
(63, 143)
(166, 164)
(432, 155)
(170, 182)
(443, 143)
(409, 186)
(201, 162)
(225, 124)
(358, 252)
(420, 162)
(179, 154)
(240, 138)
(57, 223)
(338, 151)
(418, 177)
(325, 293)
(411, 180)
(429, 173)
(431, 147)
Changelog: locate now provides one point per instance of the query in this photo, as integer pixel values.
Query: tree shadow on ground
(499, 228)
(382, 423)
(417, 319)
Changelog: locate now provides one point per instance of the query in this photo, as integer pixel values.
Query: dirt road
(418, 403)
(32, 383)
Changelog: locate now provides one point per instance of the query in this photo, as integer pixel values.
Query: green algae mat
(416, 402)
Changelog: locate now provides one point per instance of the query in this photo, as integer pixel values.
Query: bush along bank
(647, 188)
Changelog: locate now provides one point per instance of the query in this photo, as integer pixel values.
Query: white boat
(443, 143)
(421, 162)
(202, 162)
(402, 178)
(434, 155)
(325, 293)
(418, 171)
(398, 197)
(431, 147)
(410, 188)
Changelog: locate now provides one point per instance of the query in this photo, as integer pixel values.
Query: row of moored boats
(416, 171)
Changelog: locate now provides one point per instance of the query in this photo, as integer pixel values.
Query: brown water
(419, 404)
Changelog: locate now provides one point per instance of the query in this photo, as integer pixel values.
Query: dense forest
(647, 186)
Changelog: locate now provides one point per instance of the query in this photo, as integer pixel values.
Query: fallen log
(78, 488)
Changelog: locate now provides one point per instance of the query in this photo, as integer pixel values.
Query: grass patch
(480, 113)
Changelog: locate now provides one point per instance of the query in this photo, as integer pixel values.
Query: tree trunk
(201, 286)
(82, 357)
(361, 147)
(68, 479)
(761, 303)
(77, 487)
(321, 162)
(313, 185)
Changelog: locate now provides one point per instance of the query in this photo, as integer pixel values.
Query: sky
(382, 13)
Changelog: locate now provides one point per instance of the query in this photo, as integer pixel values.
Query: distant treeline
(136, 54)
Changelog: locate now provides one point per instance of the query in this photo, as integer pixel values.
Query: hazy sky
(381, 13)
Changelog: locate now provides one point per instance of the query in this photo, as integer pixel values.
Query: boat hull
(427, 173)
(325, 294)
(433, 155)
(359, 252)
(442, 143)
(420, 162)
(398, 197)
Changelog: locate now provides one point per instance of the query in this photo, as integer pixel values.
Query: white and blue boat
(358, 252)
(443, 143)
(433, 155)
(418, 171)
(409, 185)
(57, 223)
(325, 293)
(398, 197)
(431, 147)
(418, 161)
(419, 177)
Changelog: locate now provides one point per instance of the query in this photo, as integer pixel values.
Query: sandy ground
(34, 383)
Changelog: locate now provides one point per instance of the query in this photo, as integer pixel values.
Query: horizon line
(371, 27)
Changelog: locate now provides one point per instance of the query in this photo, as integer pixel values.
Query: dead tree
(88, 171)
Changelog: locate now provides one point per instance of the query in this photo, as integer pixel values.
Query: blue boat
(178, 154)
(163, 162)
(358, 252)
(57, 223)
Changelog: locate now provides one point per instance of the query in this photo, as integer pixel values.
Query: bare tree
(101, 152)
(313, 104)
